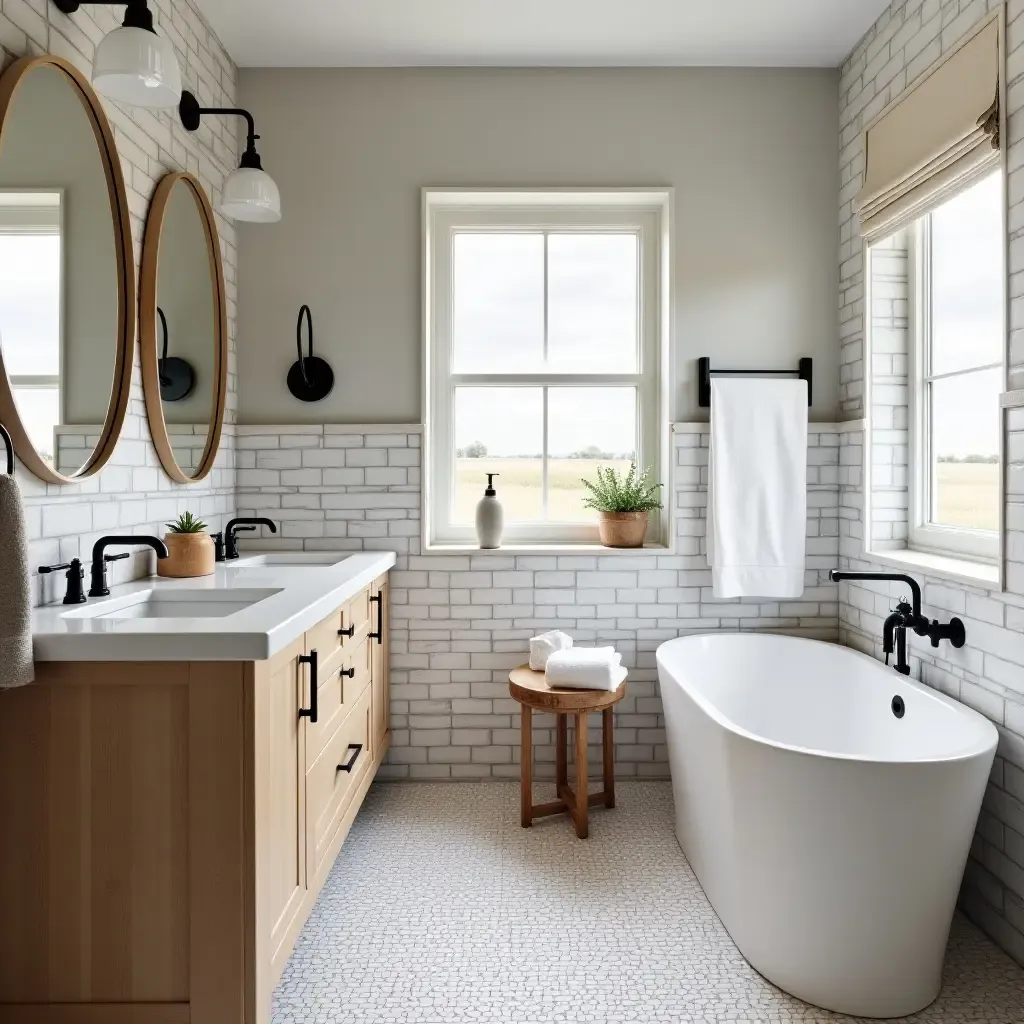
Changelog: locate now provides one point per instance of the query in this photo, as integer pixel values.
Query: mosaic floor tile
(441, 910)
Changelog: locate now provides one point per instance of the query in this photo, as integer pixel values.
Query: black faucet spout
(239, 525)
(837, 575)
(100, 558)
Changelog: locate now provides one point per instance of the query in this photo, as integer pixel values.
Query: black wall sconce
(248, 193)
(177, 378)
(310, 378)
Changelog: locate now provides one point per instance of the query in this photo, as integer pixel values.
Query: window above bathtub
(935, 232)
(545, 326)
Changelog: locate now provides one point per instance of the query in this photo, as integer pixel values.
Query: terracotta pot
(189, 554)
(622, 529)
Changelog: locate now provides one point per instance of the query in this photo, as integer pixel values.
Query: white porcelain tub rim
(984, 726)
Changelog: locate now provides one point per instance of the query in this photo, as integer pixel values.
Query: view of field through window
(551, 305)
(965, 343)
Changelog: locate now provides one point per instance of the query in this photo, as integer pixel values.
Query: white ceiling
(389, 33)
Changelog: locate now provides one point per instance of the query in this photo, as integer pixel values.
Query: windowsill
(960, 570)
(544, 549)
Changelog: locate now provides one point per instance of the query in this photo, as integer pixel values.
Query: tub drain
(898, 707)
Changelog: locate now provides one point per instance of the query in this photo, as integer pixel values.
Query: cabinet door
(281, 690)
(379, 664)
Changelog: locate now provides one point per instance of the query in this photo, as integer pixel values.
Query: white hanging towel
(757, 487)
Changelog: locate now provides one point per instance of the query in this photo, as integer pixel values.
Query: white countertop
(304, 596)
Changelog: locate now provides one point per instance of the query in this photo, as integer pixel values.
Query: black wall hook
(310, 378)
(177, 378)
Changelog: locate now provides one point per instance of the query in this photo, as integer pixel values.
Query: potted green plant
(623, 504)
(190, 548)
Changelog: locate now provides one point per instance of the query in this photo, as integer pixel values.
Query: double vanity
(177, 783)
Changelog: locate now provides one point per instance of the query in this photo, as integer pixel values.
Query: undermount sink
(289, 560)
(173, 604)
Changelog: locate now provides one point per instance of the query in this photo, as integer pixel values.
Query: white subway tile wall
(132, 494)
(461, 621)
(987, 674)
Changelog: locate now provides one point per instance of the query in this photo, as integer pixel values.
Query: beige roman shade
(938, 135)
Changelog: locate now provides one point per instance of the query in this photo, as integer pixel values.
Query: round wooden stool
(532, 691)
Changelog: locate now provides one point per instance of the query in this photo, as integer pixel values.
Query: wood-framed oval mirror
(67, 272)
(183, 328)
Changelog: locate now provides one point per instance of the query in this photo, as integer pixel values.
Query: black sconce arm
(191, 114)
(140, 14)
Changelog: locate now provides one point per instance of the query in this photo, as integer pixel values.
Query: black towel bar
(704, 374)
(9, 445)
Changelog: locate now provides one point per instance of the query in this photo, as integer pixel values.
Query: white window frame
(647, 212)
(982, 546)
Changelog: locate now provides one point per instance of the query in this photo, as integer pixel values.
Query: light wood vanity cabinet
(165, 827)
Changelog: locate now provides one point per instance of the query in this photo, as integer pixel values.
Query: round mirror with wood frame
(183, 328)
(67, 305)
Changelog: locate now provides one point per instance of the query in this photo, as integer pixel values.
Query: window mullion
(931, 378)
(545, 299)
(544, 459)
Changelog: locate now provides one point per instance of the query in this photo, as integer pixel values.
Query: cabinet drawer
(360, 612)
(342, 628)
(329, 785)
(325, 637)
(342, 682)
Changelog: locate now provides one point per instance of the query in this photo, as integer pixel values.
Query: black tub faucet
(907, 616)
(235, 526)
(100, 558)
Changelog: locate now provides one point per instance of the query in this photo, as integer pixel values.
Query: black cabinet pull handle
(310, 660)
(379, 635)
(348, 673)
(357, 749)
(350, 632)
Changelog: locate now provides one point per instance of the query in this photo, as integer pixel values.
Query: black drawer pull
(310, 660)
(348, 673)
(379, 634)
(357, 749)
(350, 632)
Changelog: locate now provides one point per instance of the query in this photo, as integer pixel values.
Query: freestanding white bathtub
(829, 834)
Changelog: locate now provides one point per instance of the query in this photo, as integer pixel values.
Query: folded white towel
(757, 487)
(543, 646)
(586, 668)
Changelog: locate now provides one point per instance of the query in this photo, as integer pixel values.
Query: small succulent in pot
(187, 523)
(624, 504)
(190, 549)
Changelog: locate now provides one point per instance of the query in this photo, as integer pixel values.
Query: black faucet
(227, 546)
(907, 616)
(99, 586)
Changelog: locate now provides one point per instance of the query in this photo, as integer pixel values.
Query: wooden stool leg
(608, 742)
(561, 752)
(582, 803)
(526, 767)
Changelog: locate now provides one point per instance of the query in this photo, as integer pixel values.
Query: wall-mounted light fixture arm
(192, 114)
(138, 11)
(249, 193)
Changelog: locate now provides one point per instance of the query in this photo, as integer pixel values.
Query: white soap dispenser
(490, 517)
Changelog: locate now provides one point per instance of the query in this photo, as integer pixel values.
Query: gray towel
(16, 667)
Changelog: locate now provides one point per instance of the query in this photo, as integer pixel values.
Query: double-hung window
(545, 323)
(932, 215)
(957, 348)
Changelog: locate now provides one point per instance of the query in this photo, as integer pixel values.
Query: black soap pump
(490, 517)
